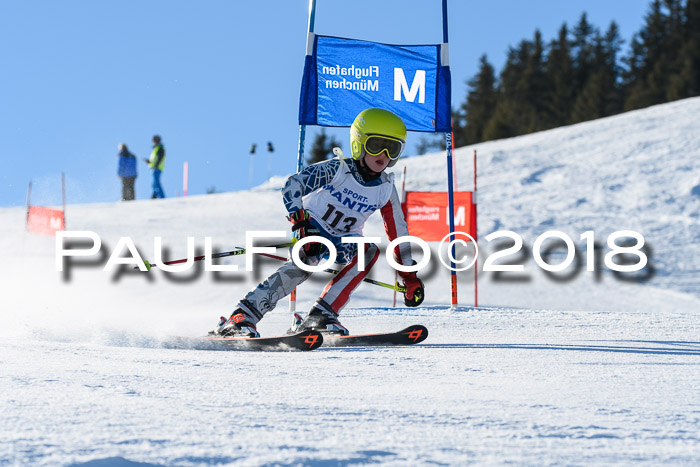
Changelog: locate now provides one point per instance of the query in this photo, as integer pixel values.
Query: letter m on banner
(343, 77)
(427, 218)
(45, 221)
(417, 87)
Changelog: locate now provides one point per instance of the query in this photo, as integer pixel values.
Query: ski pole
(223, 254)
(242, 251)
(397, 287)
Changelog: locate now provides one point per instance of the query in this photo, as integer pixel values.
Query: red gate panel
(426, 214)
(44, 220)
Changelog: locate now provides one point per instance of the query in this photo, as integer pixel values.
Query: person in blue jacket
(127, 172)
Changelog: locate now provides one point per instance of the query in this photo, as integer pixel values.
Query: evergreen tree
(459, 125)
(612, 72)
(559, 75)
(581, 77)
(506, 120)
(684, 80)
(479, 106)
(321, 148)
(692, 47)
(692, 44)
(582, 53)
(591, 101)
(428, 144)
(633, 76)
(501, 125)
(519, 108)
(601, 96)
(649, 83)
(535, 86)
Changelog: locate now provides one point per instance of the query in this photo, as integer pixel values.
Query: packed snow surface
(570, 368)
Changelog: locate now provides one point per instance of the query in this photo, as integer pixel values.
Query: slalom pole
(403, 201)
(451, 211)
(475, 200)
(250, 171)
(302, 128)
(450, 181)
(309, 52)
(185, 178)
(63, 197)
(29, 198)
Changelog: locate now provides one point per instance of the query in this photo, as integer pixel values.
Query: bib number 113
(334, 217)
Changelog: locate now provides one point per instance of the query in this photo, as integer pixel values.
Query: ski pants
(157, 188)
(280, 283)
(128, 188)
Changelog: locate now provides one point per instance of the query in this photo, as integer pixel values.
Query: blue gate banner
(342, 77)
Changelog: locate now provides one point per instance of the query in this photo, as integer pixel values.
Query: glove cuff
(407, 275)
(299, 216)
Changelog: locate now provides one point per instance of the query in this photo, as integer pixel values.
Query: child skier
(333, 199)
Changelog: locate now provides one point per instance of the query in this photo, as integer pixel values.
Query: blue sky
(212, 78)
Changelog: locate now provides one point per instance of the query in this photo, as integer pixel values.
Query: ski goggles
(375, 145)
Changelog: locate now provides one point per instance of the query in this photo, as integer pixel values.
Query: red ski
(409, 336)
(306, 340)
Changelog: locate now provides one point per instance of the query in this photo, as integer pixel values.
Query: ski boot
(238, 325)
(319, 319)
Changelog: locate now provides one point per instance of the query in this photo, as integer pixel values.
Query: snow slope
(579, 370)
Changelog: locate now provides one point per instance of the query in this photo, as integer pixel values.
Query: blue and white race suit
(339, 202)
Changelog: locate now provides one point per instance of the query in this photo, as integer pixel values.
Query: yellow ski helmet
(375, 131)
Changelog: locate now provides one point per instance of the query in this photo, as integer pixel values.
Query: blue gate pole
(450, 180)
(309, 51)
(302, 128)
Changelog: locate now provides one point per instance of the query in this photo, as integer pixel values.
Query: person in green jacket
(156, 163)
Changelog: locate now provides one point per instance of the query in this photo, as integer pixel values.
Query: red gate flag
(44, 220)
(427, 218)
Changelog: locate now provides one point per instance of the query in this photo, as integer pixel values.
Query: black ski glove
(301, 228)
(415, 291)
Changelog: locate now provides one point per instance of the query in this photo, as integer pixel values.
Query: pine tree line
(580, 75)
(322, 147)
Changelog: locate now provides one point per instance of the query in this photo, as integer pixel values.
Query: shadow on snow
(672, 347)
